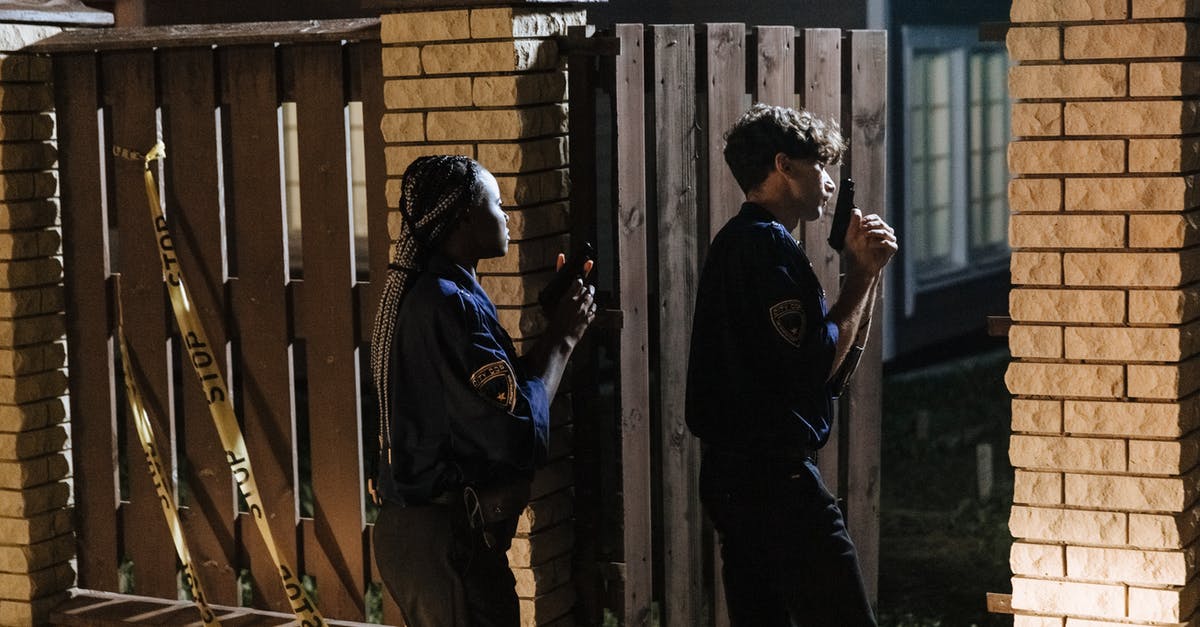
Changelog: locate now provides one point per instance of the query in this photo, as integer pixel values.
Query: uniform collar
(442, 266)
(757, 213)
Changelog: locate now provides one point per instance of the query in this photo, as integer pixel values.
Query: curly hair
(435, 194)
(765, 131)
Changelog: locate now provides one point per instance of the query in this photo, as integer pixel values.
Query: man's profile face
(808, 184)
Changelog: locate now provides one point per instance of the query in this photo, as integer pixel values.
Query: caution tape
(204, 362)
(166, 498)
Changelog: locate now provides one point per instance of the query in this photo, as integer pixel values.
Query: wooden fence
(292, 339)
(673, 91)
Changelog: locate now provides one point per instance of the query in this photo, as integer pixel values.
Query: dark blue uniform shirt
(464, 411)
(762, 344)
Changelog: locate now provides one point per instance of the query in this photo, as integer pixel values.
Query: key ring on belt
(475, 516)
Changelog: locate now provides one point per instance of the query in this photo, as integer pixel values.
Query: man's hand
(870, 244)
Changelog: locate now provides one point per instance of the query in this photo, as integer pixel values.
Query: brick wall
(488, 83)
(36, 542)
(1105, 309)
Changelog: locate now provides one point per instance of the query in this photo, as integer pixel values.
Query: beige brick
(1036, 416)
(1128, 41)
(29, 388)
(29, 272)
(32, 330)
(1067, 453)
(427, 93)
(13, 37)
(1066, 231)
(519, 55)
(1155, 457)
(519, 89)
(1034, 44)
(400, 157)
(540, 579)
(32, 359)
(546, 512)
(533, 189)
(27, 185)
(403, 127)
(526, 256)
(496, 124)
(1171, 605)
(27, 156)
(32, 501)
(1065, 380)
(515, 289)
(1036, 195)
(25, 67)
(1144, 9)
(1163, 494)
(541, 547)
(1162, 420)
(1164, 531)
(33, 415)
(29, 244)
(1026, 620)
(1037, 560)
(31, 301)
(1163, 568)
(36, 528)
(1130, 269)
(26, 126)
(34, 557)
(1066, 597)
(1037, 488)
(30, 444)
(1163, 155)
(524, 322)
(1126, 344)
(1067, 10)
(33, 214)
(1164, 79)
(1037, 342)
(1164, 381)
(509, 23)
(1102, 80)
(1163, 306)
(1128, 118)
(1164, 230)
(36, 612)
(1132, 195)
(1034, 268)
(1097, 156)
(402, 61)
(552, 478)
(26, 587)
(538, 221)
(1078, 306)
(555, 603)
(33, 472)
(518, 157)
(424, 26)
(1037, 119)
(1067, 525)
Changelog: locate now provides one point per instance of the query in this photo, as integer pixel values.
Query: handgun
(550, 295)
(841, 215)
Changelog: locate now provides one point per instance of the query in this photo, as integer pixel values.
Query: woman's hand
(577, 309)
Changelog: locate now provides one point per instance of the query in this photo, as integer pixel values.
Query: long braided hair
(435, 193)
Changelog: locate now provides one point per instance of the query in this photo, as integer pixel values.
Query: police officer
(464, 420)
(764, 352)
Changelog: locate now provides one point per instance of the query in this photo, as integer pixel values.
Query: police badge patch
(496, 383)
(790, 321)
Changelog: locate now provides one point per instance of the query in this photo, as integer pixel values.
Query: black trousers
(440, 570)
(788, 560)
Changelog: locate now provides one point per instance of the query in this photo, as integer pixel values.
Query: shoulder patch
(790, 321)
(496, 383)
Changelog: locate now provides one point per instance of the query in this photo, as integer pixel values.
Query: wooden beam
(185, 35)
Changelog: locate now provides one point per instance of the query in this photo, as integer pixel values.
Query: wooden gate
(290, 333)
(654, 196)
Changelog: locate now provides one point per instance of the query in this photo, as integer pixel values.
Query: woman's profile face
(487, 223)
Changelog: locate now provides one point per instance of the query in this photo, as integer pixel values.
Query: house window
(956, 131)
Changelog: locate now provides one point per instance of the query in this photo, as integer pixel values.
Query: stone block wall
(36, 540)
(488, 83)
(1105, 310)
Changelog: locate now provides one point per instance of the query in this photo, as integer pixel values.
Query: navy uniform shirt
(463, 409)
(762, 344)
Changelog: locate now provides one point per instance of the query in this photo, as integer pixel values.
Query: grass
(943, 546)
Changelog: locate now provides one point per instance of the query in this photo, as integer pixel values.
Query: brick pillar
(488, 83)
(1105, 310)
(36, 541)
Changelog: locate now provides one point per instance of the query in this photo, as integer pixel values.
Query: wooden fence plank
(776, 79)
(633, 288)
(726, 58)
(194, 210)
(868, 167)
(675, 122)
(259, 305)
(85, 277)
(337, 560)
(129, 86)
(822, 93)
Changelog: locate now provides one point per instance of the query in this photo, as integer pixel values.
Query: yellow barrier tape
(145, 431)
(204, 362)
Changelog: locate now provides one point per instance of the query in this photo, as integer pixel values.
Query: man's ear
(782, 163)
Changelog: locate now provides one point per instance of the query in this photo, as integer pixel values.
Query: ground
(943, 547)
